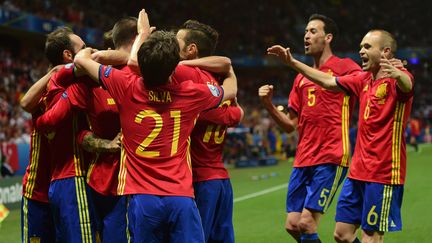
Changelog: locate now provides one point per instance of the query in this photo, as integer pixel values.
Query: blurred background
(246, 29)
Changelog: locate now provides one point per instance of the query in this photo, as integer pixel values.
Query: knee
(341, 236)
(291, 227)
(307, 225)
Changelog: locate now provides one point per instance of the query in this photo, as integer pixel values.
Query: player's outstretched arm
(230, 85)
(61, 110)
(391, 70)
(215, 64)
(111, 57)
(93, 144)
(288, 122)
(322, 79)
(30, 100)
(227, 115)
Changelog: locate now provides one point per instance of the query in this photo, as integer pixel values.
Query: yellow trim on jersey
(77, 152)
(334, 187)
(83, 210)
(385, 208)
(188, 154)
(396, 142)
(123, 172)
(345, 131)
(31, 179)
(91, 166)
(25, 219)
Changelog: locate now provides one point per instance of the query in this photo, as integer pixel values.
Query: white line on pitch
(260, 193)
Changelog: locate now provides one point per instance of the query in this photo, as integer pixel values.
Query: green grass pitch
(259, 207)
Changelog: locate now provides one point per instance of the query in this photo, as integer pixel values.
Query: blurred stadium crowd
(241, 34)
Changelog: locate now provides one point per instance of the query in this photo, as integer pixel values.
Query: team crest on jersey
(110, 101)
(214, 90)
(69, 65)
(381, 91)
(107, 71)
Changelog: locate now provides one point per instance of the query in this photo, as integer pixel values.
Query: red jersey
(323, 117)
(208, 136)
(379, 154)
(38, 173)
(156, 123)
(67, 156)
(415, 127)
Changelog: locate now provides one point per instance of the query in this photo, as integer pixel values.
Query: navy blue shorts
(214, 199)
(111, 217)
(72, 210)
(164, 219)
(313, 187)
(374, 206)
(36, 221)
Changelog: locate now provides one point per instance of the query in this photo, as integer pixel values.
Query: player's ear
(329, 38)
(192, 50)
(68, 55)
(387, 52)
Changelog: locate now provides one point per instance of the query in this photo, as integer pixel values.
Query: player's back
(156, 123)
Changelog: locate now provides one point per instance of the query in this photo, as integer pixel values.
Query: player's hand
(84, 53)
(265, 93)
(397, 63)
(143, 24)
(115, 144)
(283, 53)
(390, 70)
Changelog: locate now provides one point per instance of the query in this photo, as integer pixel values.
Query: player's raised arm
(288, 122)
(322, 79)
(30, 100)
(214, 64)
(230, 85)
(144, 30)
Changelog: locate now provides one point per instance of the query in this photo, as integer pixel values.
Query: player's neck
(322, 58)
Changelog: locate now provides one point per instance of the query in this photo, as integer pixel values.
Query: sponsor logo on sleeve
(107, 71)
(214, 90)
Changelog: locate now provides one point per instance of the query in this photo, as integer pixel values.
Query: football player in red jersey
(321, 162)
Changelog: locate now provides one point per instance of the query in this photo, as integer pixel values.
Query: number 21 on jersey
(141, 149)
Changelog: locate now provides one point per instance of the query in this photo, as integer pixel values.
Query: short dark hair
(124, 31)
(157, 57)
(387, 39)
(56, 42)
(330, 27)
(108, 40)
(204, 36)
